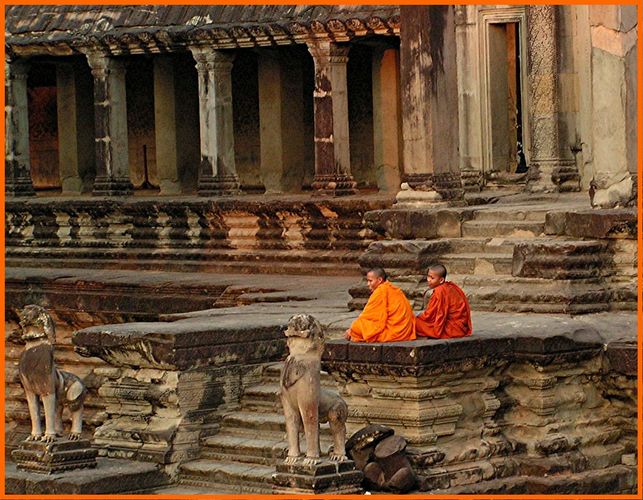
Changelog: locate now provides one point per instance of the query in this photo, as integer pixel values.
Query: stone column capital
(211, 59)
(325, 52)
(102, 64)
(16, 70)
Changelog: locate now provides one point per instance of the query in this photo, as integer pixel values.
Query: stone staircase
(241, 457)
(569, 275)
(324, 237)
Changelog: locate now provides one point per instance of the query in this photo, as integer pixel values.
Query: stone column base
(566, 177)
(472, 180)
(51, 458)
(335, 185)
(110, 186)
(220, 185)
(17, 181)
(325, 476)
(553, 175)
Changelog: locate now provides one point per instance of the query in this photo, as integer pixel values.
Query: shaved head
(438, 269)
(378, 272)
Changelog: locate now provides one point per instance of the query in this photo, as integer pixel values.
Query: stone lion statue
(42, 381)
(304, 402)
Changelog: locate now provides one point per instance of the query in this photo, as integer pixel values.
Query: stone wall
(498, 407)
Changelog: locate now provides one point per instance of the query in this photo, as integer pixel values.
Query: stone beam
(332, 147)
(217, 172)
(429, 106)
(110, 118)
(17, 165)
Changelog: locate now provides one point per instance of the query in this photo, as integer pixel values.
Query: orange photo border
(639, 3)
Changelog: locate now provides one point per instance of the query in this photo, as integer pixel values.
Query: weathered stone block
(623, 357)
(598, 224)
(560, 260)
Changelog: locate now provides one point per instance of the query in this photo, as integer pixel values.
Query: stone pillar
(386, 118)
(281, 108)
(469, 119)
(429, 106)
(217, 171)
(165, 124)
(552, 165)
(614, 103)
(110, 122)
(17, 166)
(75, 129)
(332, 146)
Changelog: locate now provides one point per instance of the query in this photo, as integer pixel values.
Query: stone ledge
(422, 353)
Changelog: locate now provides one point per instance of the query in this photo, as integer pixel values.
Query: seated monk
(447, 314)
(387, 316)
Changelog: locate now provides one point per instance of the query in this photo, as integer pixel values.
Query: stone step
(248, 267)
(477, 263)
(247, 422)
(230, 476)
(482, 245)
(512, 214)
(510, 229)
(264, 396)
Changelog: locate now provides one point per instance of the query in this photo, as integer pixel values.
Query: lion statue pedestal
(305, 405)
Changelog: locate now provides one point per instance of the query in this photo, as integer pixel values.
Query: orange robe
(447, 315)
(387, 317)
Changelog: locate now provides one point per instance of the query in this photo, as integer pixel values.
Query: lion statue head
(36, 323)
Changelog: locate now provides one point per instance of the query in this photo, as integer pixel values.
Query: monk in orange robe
(387, 316)
(447, 314)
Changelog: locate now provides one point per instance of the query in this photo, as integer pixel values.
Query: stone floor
(273, 299)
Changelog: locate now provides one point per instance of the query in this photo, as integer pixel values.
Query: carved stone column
(110, 118)
(217, 171)
(552, 164)
(429, 106)
(75, 130)
(332, 146)
(281, 131)
(386, 118)
(17, 166)
(469, 120)
(165, 125)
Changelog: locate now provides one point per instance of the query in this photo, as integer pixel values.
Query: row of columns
(217, 172)
(428, 109)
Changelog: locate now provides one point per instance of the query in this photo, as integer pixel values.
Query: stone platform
(109, 477)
